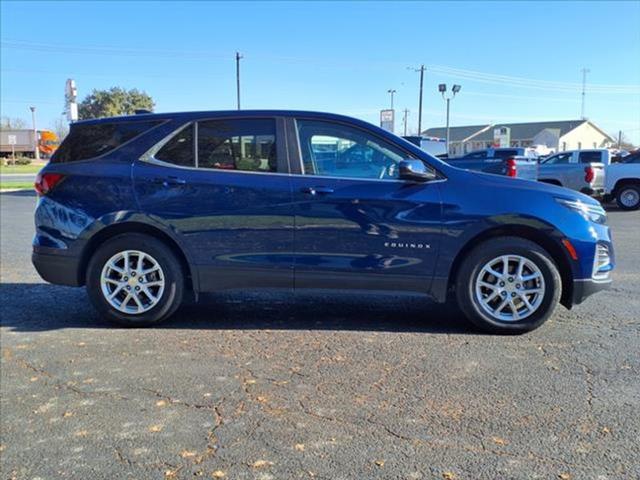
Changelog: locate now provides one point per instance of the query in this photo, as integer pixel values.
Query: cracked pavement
(265, 385)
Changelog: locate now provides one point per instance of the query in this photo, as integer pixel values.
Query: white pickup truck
(595, 173)
(622, 181)
(581, 170)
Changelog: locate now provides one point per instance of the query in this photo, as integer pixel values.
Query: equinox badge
(406, 245)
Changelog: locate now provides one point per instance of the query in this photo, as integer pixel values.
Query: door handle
(168, 181)
(317, 190)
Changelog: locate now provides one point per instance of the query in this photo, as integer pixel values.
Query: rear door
(558, 168)
(222, 187)
(357, 225)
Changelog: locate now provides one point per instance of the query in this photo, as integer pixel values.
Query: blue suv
(144, 209)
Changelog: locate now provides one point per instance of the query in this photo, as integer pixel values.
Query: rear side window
(504, 154)
(590, 157)
(244, 144)
(89, 141)
(179, 150)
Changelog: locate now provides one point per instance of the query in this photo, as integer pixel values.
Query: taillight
(511, 167)
(589, 174)
(45, 182)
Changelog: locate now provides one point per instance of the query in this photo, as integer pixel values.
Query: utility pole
(238, 57)
(391, 92)
(584, 85)
(619, 139)
(406, 114)
(35, 133)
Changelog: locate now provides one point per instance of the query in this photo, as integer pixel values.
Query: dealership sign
(387, 119)
(502, 137)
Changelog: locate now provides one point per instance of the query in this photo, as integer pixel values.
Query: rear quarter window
(504, 154)
(590, 157)
(90, 141)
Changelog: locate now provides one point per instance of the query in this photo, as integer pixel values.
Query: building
(558, 136)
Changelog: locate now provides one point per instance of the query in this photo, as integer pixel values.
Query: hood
(502, 182)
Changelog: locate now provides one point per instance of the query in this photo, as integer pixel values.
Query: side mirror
(415, 171)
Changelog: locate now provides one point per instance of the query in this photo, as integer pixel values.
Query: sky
(515, 61)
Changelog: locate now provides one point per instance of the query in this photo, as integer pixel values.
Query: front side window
(243, 145)
(561, 158)
(179, 150)
(332, 149)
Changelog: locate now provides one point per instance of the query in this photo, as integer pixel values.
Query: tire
(547, 286)
(628, 196)
(164, 285)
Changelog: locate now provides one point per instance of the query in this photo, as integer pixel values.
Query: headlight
(594, 213)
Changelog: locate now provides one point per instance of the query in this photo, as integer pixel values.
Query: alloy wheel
(629, 197)
(132, 282)
(510, 288)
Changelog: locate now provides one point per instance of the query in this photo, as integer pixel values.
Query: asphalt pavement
(269, 385)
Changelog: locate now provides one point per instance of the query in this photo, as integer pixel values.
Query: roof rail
(140, 111)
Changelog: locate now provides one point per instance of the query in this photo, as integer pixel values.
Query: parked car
(432, 145)
(623, 182)
(144, 209)
(513, 162)
(580, 170)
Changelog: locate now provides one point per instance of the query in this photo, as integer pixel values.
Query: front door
(222, 187)
(356, 224)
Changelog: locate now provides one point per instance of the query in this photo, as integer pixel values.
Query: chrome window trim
(155, 161)
(149, 157)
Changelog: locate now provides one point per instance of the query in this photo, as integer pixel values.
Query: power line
(481, 77)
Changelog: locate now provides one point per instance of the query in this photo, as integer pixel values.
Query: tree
(625, 144)
(60, 127)
(13, 123)
(115, 101)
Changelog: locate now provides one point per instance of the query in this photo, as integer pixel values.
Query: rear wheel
(508, 285)
(135, 280)
(628, 197)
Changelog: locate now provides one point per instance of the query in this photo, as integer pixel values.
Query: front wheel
(508, 285)
(135, 280)
(628, 197)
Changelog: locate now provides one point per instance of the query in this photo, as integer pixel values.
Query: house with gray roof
(556, 135)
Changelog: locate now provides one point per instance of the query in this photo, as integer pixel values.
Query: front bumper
(57, 269)
(583, 288)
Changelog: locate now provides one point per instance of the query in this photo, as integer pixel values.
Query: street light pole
(420, 101)
(35, 133)
(442, 88)
(391, 92)
(448, 103)
(406, 113)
